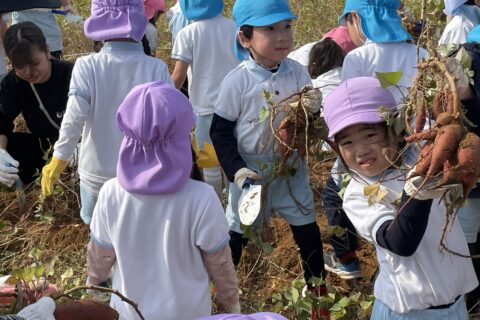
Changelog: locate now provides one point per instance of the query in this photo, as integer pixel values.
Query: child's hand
(312, 100)
(418, 188)
(244, 173)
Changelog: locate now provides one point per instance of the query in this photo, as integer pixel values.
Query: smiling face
(269, 44)
(362, 145)
(38, 70)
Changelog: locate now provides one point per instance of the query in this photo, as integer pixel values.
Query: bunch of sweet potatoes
(449, 149)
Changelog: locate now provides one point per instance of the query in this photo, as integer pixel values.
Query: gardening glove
(41, 310)
(428, 190)
(8, 168)
(50, 174)
(244, 173)
(312, 100)
(456, 70)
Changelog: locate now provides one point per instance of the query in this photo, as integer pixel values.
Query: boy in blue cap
(246, 147)
(197, 50)
(383, 46)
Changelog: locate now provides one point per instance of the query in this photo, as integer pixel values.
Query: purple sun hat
(116, 19)
(355, 101)
(254, 316)
(155, 155)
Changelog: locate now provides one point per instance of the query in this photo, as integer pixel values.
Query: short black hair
(324, 56)
(247, 31)
(20, 39)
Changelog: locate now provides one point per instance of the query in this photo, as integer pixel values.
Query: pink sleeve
(99, 263)
(220, 267)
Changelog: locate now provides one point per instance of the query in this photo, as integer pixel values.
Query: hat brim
(382, 27)
(369, 117)
(240, 51)
(18, 5)
(109, 25)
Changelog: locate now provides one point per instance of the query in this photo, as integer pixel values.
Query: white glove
(427, 191)
(461, 79)
(312, 100)
(8, 168)
(41, 310)
(244, 173)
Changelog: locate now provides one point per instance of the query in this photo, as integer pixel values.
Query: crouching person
(164, 234)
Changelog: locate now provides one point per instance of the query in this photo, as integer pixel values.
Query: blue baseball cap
(201, 9)
(379, 19)
(474, 35)
(258, 14)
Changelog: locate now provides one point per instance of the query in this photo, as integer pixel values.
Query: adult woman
(37, 87)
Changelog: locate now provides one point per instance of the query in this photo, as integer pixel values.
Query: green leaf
(35, 253)
(295, 295)
(336, 230)
(388, 79)
(264, 113)
(67, 274)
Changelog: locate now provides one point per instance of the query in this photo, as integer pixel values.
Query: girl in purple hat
(164, 234)
(416, 279)
(99, 84)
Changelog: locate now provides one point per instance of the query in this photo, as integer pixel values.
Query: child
(99, 83)
(153, 9)
(37, 81)
(197, 50)
(465, 16)
(245, 146)
(325, 65)
(383, 46)
(152, 212)
(338, 34)
(416, 279)
(47, 23)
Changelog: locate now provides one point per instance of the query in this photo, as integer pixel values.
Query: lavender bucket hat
(115, 19)
(254, 316)
(155, 155)
(355, 101)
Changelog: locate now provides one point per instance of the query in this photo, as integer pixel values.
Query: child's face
(39, 71)
(361, 147)
(270, 44)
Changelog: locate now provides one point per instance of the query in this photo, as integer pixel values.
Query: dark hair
(349, 17)
(247, 31)
(19, 41)
(325, 56)
(470, 2)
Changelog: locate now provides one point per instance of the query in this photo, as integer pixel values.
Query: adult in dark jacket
(37, 88)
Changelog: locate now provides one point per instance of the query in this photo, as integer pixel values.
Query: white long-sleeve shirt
(99, 84)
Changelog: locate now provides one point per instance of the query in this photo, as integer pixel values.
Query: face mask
(359, 34)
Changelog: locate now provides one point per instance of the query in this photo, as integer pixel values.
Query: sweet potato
(468, 156)
(424, 160)
(84, 310)
(295, 140)
(437, 104)
(444, 119)
(420, 114)
(424, 135)
(446, 143)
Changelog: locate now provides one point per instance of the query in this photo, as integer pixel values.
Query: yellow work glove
(50, 174)
(206, 157)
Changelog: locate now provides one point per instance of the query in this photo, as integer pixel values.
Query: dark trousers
(473, 297)
(30, 151)
(308, 240)
(332, 204)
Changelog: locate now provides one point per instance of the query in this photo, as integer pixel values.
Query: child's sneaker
(345, 271)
